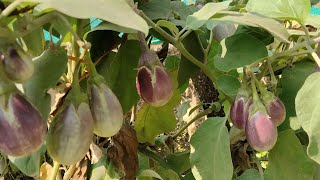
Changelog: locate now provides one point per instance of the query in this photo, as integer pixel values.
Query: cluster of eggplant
(259, 116)
(23, 130)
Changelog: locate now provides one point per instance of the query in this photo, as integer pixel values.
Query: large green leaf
(117, 12)
(291, 81)
(239, 50)
(250, 174)
(120, 73)
(35, 42)
(288, 160)
(112, 27)
(167, 174)
(284, 9)
(181, 11)
(256, 32)
(49, 67)
(151, 121)
(157, 9)
(148, 174)
(210, 156)
(314, 135)
(313, 20)
(186, 68)
(179, 162)
(307, 99)
(29, 165)
(228, 85)
(274, 27)
(199, 18)
(102, 41)
(171, 63)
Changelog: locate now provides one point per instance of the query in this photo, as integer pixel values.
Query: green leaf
(166, 174)
(49, 67)
(181, 11)
(250, 174)
(291, 164)
(210, 151)
(186, 68)
(169, 25)
(117, 12)
(102, 41)
(291, 81)
(314, 135)
(199, 18)
(179, 162)
(149, 173)
(274, 27)
(35, 42)
(29, 165)
(151, 121)
(99, 169)
(157, 9)
(183, 109)
(112, 27)
(284, 9)
(239, 50)
(120, 73)
(256, 32)
(313, 20)
(307, 100)
(228, 84)
(171, 63)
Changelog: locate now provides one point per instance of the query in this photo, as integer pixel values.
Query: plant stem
(206, 50)
(198, 116)
(10, 8)
(314, 55)
(180, 33)
(55, 170)
(143, 44)
(253, 87)
(153, 156)
(305, 30)
(274, 80)
(255, 159)
(157, 28)
(184, 35)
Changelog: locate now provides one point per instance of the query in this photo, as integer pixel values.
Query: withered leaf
(123, 152)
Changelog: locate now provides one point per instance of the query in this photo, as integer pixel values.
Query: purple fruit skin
(16, 68)
(154, 87)
(276, 111)
(261, 132)
(22, 130)
(70, 134)
(240, 111)
(106, 110)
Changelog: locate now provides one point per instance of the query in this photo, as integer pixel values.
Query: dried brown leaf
(96, 153)
(123, 152)
(81, 169)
